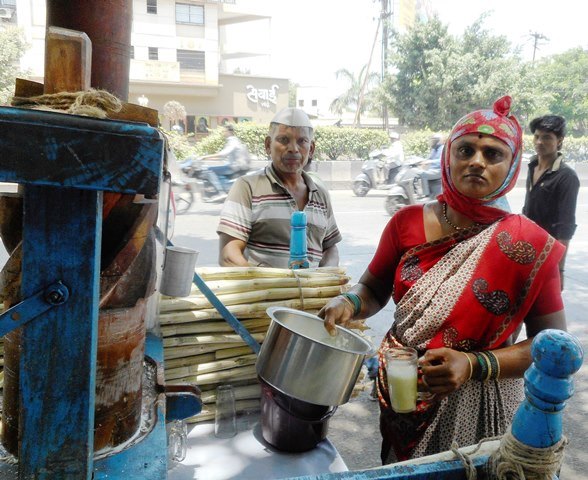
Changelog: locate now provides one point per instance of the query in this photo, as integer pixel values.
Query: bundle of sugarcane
(201, 348)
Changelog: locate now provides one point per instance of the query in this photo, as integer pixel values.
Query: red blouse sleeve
(549, 299)
(405, 230)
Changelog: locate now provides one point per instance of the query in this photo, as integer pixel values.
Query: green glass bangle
(354, 297)
(483, 375)
(494, 366)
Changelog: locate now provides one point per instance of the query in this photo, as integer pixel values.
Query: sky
(312, 39)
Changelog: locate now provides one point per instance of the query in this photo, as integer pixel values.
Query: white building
(212, 56)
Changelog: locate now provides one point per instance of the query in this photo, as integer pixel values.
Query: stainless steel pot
(299, 358)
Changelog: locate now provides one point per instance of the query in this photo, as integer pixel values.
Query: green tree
(12, 48)
(349, 99)
(439, 77)
(563, 88)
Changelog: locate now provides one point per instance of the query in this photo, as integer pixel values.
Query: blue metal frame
(61, 240)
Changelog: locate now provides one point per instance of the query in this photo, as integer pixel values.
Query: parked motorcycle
(378, 171)
(196, 181)
(408, 187)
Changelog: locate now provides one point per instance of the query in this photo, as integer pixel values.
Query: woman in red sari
(465, 275)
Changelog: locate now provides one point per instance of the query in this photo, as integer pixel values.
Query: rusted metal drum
(119, 374)
(119, 369)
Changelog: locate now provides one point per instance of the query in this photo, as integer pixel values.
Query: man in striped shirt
(254, 227)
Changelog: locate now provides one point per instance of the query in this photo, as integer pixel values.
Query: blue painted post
(61, 241)
(548, 384)
(298, 246)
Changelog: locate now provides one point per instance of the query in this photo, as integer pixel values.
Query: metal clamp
(54, 295)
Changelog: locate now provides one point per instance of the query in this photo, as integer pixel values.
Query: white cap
(292, 117)
(393, 135)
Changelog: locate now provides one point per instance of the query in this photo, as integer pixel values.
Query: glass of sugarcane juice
(401, 369)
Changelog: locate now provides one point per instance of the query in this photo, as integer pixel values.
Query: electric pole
(536, 36)
(385, 15)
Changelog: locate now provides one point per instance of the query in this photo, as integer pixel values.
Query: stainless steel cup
(178, 271)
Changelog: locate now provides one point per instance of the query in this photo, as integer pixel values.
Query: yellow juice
(402, 385)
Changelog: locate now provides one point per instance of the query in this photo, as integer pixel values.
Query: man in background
(236, 158)
(254, 227)
(433, 163)
(552, 187)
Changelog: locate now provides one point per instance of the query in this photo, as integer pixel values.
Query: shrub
(180, 144)
(346, 142)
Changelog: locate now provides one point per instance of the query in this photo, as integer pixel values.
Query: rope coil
(91, 103)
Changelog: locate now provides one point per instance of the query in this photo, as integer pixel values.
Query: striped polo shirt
(258, 210)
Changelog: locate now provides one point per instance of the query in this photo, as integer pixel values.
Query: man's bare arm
(231, 251)
(330, 257)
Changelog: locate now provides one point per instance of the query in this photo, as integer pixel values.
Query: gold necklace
(453, 225)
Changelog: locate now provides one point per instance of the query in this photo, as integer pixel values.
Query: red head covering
(498, 124)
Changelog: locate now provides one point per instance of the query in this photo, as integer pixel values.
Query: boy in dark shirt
(552, 187)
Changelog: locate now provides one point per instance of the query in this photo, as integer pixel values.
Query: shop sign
(263, 96)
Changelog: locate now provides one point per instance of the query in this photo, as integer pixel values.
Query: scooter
(198, 181)
(408, 187)
(369, 178)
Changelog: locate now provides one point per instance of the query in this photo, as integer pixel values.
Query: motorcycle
(378, 172)
(408, 187)
(196, 180)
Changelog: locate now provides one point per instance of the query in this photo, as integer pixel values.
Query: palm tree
(350, 99)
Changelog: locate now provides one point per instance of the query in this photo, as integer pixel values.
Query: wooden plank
(61, 241)
(68, 60)
(27, 88)
(79, 152)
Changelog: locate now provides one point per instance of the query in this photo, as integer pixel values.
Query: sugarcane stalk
(221, 287)
(191, 350)
(208, 411)
(231, 339)
(207, 327)
(253, 296)
(199, 368)
(241, 311)
(220, 273)
(241, 393)
(203, 358)
(238, 373)
(231, 352)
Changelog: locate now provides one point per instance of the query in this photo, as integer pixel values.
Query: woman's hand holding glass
(444, 371)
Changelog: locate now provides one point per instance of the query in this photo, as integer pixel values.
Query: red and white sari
(470, 291)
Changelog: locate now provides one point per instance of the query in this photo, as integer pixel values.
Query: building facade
(196, 52)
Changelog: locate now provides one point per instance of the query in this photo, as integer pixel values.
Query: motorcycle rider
(394, 157)
(236, 159)
(433, 162)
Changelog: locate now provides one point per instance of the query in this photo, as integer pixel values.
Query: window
(153, 53)
(7, 3)
(314, 103)
(151, 6)
(301, 103)
(191, 60)
(192, 14)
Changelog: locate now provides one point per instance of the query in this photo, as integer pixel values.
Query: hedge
(342, 143)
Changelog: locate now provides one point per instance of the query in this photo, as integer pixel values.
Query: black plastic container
(292, 425)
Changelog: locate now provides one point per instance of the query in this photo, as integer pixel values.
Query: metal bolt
(55, 297)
